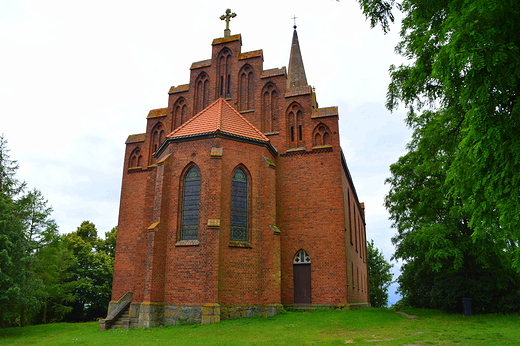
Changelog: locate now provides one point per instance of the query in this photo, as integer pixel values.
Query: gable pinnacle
(227, 17)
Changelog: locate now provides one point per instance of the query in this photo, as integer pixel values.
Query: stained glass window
(191, 205)
(239, 206)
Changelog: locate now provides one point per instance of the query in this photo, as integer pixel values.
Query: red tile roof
(219, 116)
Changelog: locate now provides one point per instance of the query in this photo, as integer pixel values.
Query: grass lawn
(320, 327)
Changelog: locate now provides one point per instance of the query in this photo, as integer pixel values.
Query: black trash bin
(467, 302)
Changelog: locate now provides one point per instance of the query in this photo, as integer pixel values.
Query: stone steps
(123, 321)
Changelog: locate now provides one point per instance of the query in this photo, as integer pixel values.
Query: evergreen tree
(18, 289)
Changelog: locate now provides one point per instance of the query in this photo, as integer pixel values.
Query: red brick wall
(306, 195)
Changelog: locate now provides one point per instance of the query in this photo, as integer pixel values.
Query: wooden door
(302, 283)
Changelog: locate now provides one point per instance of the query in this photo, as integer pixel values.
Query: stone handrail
(121, 306)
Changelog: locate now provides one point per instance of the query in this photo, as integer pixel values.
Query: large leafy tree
(91, 274)
(455, 196)
(379, 276)
(443, 261)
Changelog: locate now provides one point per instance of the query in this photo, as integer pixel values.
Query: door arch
(302, 278)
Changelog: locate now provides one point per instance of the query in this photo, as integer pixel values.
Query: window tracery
(135, 158)
(321, 135)
(302, 257)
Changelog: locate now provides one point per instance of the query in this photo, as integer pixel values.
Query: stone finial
(227, 17)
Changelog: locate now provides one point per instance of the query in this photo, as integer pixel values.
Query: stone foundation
(352, 306)
(146, 315)
(230, 311)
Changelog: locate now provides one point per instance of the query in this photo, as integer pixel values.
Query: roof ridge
(220, 119)
(247, 122)
(191, 119)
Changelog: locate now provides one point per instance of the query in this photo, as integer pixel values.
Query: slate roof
(219, 116)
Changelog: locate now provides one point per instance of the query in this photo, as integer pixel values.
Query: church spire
(296, 75)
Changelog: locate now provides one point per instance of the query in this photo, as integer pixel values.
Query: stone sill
(295, 149)
(187, 243)
(243, 244)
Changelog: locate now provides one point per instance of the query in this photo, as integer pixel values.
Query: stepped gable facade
(237, 199)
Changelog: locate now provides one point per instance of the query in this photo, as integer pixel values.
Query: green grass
(320, 327)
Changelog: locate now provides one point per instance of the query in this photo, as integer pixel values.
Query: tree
(379, 276)
(91, 274)
(443, 262)
(109, 244)
(454, 197)
(465, 68)
(19, 289)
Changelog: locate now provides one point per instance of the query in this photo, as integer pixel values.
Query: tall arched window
(246, 88)
(201, 92)
(239, 206)
(269, 108)
(295, 126)
(224, 74)
(190, 205)
(158, 136)
(180, 113)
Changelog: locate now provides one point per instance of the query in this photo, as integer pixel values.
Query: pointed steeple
(296, 75)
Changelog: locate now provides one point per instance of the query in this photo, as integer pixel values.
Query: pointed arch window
(302, 257)
(295, 126)
(321, 135)
(246, 81)
(190, 205)
(158, 136)
(135, 158)
(201, 92)
(239, 206)
(224, 74)
(180, 113)
(269, 108)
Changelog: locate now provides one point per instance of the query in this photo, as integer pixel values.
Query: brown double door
(302, 283)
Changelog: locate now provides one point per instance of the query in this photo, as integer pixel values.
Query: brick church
(237, 200)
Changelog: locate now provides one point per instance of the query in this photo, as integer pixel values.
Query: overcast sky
(78, 77)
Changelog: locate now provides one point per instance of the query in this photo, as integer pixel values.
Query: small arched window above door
(302, 257)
